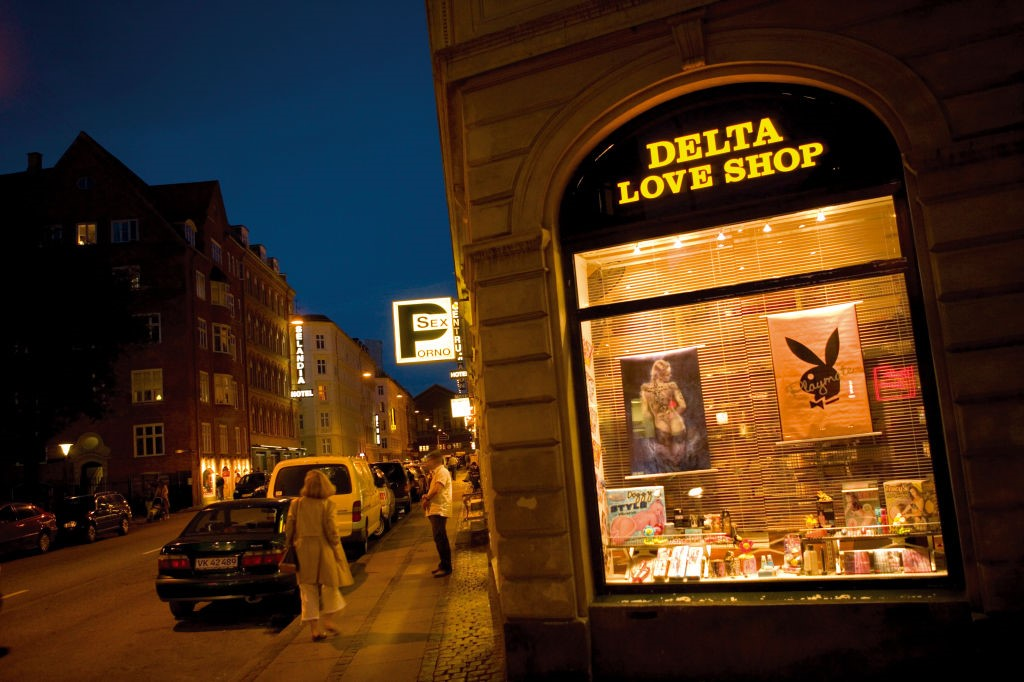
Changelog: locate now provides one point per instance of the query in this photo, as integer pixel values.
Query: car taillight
(270, 557)
(357, 511)
(173, 562)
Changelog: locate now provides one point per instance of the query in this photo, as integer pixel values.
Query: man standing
(437, 504)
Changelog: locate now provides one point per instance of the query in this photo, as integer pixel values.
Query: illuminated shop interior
(761, 504)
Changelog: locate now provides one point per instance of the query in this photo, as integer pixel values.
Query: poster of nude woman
(665, 412)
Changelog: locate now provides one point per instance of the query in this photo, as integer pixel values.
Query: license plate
(214, 563)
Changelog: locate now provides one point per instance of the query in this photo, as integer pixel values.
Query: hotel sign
(726, 148)
(424, 331)
(300, 391)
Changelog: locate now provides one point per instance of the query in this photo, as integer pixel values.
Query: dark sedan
(25, 526)
(229, 550)
(253, 484)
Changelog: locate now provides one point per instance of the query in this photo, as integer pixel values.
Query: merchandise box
(861, 504)
(914, 499)
(635, 513)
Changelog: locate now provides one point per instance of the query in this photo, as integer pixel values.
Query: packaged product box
(635, 512)
(913, 499)
(861, 504)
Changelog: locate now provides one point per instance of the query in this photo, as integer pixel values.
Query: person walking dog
(437, 505)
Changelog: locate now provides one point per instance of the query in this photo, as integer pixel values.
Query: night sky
(317, 118)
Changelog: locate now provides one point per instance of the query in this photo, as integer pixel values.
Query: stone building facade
(535, 102)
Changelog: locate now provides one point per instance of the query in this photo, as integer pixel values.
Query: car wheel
(122, 528)
(90, 533)
(44, 542)
(181, 609)
(382, 527)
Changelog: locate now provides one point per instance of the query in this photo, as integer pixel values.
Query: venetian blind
(763, 481)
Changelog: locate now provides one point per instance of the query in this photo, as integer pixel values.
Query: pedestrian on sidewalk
(437, 505)
(310, 528)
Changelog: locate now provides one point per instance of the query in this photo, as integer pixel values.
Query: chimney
(35, 161)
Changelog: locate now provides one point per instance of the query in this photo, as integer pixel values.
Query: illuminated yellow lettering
(734, 171)
(759, 165)
(652, 187)
(624, 196)
(766, 133)
(662, 154)
(786, 159)
(689, 148)
(711, 140)
(809, 152)
(738, 134)
(700, 177)
(674, 180)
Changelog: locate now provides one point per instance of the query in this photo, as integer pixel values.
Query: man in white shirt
(437, 505)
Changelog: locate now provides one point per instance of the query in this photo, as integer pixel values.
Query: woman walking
(322, 564)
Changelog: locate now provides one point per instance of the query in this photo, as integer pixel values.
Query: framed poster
(665, 412)
(819, 373)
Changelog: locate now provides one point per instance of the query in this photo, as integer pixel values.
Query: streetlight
(66, 449)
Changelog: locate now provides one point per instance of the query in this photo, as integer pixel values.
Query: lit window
(321, 392)
(86, 233)
(220, 294)
(149, 440)
(224, 389)
(123, 231)
(206, 438)
(147, 385)
(223, 340)
(204, 387)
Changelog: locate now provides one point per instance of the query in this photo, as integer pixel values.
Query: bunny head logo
(821, 382)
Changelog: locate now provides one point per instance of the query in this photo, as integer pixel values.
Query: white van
(359, 511)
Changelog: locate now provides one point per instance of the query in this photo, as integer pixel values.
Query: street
(91, 612)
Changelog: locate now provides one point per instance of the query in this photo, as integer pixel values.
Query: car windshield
(290, 479)
(72, 503)
(219, 520)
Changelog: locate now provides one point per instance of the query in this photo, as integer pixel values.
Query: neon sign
(707, 144)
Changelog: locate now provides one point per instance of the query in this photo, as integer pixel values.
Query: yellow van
(359, 513)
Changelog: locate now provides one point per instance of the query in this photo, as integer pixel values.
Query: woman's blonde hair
(317, 485)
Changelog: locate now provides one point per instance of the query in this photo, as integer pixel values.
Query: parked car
(85, 517)
(419, 480)
(230, 549)
(401, 484)
(253, 484)
(387, 497)
(24, 526)
(359, 514)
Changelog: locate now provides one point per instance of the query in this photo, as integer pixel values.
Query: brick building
(215, 307)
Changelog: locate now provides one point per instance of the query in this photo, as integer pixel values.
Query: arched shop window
(751, 349)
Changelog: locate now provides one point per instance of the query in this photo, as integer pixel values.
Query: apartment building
(181, 406)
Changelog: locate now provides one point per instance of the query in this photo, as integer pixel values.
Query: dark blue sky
(317, 117)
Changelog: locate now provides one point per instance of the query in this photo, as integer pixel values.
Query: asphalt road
(90, 612)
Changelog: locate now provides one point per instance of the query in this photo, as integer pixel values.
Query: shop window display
(755, 403)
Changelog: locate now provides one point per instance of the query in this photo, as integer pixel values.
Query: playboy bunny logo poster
(819, 373)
